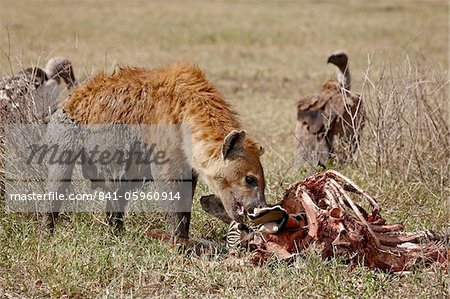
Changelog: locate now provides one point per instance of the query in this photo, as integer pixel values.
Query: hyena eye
(251, 181)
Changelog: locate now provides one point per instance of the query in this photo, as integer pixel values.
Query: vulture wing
(349, 124)
(318, 112)
(316, 116)
(17, 93)
(320, 118)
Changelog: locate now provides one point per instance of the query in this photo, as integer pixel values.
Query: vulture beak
(71, 81)
(330, 59)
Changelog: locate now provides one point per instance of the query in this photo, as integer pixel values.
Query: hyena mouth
(240, 210)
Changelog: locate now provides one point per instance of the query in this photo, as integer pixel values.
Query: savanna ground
(263, 56)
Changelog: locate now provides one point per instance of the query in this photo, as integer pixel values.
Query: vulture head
(37, 75)
(58, 68)
(339, 59)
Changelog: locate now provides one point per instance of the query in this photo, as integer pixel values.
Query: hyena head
(237, 178)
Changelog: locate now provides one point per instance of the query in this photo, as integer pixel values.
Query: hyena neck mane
(175, 94)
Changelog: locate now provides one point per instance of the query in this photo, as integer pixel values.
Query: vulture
(32, 95)
(333, 113)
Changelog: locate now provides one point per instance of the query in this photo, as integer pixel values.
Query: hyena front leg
(61, 132)
(115, 211)
(58, 181)
(178, 223)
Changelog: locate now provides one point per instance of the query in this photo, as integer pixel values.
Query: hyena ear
(233, 144)
(212, 205)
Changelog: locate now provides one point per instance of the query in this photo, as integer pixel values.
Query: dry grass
(263, 56)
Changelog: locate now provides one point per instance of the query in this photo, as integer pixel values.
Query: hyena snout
(244, 205)
(252, 204)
